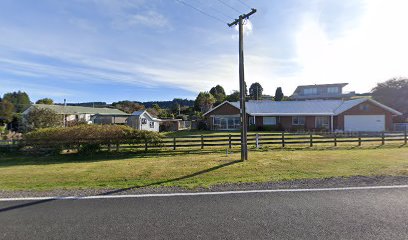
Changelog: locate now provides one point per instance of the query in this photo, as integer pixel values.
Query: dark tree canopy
(128, 106)
(219, 94)
(204, 101)
(233, 97)
(19, 99)
(42, 118)
(393, 93)
(6, 111)
(47, 101)
(255, 91)
(279, 94)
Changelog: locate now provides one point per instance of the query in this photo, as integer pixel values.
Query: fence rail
(231, 140)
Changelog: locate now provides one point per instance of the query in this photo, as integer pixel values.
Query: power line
(243, 3)
(201, 11)
(229, 6)
(220, 12)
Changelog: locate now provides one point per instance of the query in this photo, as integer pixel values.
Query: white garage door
(364, 123)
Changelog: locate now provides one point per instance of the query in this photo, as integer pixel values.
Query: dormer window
(310, 91)
(333, 90)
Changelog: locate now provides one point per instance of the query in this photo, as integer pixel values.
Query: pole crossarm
(243, 16)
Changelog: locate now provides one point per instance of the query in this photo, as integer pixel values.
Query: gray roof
(303, 108)
(61, 109)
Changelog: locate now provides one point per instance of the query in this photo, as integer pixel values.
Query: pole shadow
(126, 189)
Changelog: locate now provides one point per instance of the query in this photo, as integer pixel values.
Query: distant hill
(168, 104)
(148, 104)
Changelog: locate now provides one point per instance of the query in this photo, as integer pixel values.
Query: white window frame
(324, 125)
(151, 124)
(333, 90)
(310, 91)
(298, 118)
(144, 120)
(269, 123)
(236, 122)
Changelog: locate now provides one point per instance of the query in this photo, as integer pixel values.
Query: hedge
(87, 137)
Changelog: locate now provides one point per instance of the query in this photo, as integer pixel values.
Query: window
(144, 121)
(364, 107)
(251, 121)
(269, 121)
(226, 123)
(322, 122)
(151, 124)
(310, 91)
(298, 121)
(333, 90)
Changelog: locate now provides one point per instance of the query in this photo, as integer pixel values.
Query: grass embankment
(191, 170)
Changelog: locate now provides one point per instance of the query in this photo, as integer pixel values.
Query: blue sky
(110, 50)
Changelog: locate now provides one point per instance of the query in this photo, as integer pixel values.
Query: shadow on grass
(20, 159)
(32, 203)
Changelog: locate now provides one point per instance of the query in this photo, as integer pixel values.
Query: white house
(142, 120)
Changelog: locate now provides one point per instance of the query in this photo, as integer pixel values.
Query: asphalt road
(351, 214)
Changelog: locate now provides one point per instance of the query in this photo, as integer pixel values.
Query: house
(173, 125)
(77, 113)
(333, 115)
(142, 120)
(322, 91)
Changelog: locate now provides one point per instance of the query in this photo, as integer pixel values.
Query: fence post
(359, 139)
(230, 142)
(117, 147)
(311, 140)
(405, 136)
(145, 145)
(174, 143)
(382, 138)
(335, 139)
(283, 139)
(202, 142)
(257, 140)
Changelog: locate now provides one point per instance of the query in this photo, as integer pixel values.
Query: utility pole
(242, 95)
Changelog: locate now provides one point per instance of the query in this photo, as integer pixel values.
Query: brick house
(334, 115)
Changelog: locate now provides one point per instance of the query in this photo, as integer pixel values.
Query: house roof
(321, 85)
(61, 109)
(141, 112)
(302, 108)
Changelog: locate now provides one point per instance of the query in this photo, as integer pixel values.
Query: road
(348, 214)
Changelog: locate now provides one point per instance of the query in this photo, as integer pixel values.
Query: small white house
(142, 120)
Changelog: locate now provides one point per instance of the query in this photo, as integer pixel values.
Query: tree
(219, 94)
(156, 107)
(19, 99)
(6, 111)
(42, 118)
(47, 101)
(128, 106)
(393, 93)
(233, 97)
(279, 94)
(204, 101)
(255, 91)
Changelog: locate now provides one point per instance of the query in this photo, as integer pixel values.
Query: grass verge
(194, 169)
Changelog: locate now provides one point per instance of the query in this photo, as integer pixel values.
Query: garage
(364, 123)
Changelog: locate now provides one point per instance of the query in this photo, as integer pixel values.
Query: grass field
(194, 169)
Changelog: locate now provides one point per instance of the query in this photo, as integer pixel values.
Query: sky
(142, 50)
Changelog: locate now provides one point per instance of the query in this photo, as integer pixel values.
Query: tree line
(206, 100)
(393, 93)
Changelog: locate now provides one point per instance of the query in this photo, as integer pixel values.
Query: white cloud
(373, 51)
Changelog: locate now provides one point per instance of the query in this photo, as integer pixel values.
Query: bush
(87, 138)
(202, 125)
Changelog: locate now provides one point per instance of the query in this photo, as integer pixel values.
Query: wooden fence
(256, 140)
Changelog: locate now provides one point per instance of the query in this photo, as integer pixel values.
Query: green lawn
(194, 169)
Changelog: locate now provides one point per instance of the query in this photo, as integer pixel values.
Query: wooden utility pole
(242, 98)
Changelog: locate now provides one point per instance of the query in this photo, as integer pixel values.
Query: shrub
(87, 138)
(202, 125)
